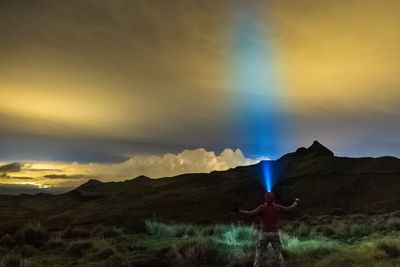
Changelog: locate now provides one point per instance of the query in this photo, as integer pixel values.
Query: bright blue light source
(267, 173)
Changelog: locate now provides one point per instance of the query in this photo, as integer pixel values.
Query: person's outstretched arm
(254, 212)
(291, 207)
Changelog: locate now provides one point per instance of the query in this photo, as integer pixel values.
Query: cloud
(125, 85)
(5, 176)
(65, 176)
(69, 175)
(12, 167)
(188, 161)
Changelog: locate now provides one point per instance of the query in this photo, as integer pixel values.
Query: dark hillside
(322, 181)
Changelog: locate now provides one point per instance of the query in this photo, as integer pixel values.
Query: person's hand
(236, 210)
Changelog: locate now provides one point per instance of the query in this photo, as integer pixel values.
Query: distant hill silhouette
(321, 180)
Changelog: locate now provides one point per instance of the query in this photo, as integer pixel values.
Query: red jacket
(269, 214)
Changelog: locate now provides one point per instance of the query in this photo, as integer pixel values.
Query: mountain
(326, 182)
(323, 182)
(29, 189)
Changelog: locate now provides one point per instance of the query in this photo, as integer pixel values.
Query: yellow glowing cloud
(159, 72)
(113, 78)
(50, 174)
(68, 104)
(342, 54)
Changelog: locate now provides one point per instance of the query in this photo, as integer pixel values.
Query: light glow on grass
(223, 243)
(314, 245)
(237, 235)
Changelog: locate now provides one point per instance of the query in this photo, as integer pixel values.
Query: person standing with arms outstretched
(269, 213)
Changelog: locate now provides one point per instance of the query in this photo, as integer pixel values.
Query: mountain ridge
(321, 180)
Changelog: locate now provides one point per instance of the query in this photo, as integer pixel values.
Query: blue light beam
(267, 175)
(257, 105)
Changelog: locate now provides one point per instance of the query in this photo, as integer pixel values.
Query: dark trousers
(262, 245)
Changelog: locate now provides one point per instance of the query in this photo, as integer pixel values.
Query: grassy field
(346, 240)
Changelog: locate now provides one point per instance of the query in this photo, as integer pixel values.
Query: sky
(91, 86)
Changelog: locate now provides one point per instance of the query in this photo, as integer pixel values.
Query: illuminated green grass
(309, 248)
(235, 235)
(352, 241)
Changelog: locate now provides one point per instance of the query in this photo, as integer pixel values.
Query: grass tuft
(314, 247)
(159, 229)
(75, 233)
(33, 234)
(28, 251)
(235, 235)
(7, 241)
(79, 248)
(390, 247)
(199, 253)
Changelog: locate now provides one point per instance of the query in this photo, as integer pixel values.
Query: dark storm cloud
(81, 148)
(12, 167)
(5, 176)
(65, 177)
